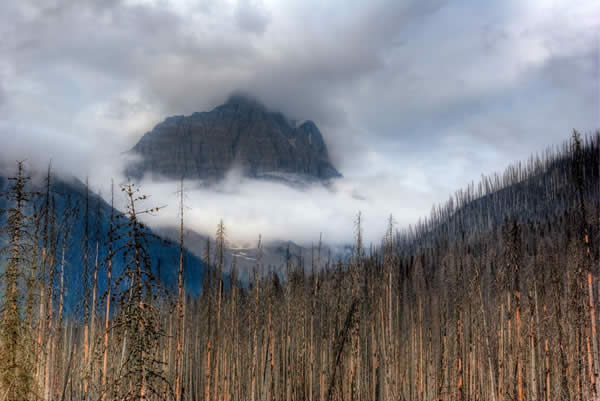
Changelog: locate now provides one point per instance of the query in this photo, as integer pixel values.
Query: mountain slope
(69, 194)
(535, 191)
(240, 133)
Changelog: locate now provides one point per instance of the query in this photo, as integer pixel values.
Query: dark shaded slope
(164, 254)
(537, 191)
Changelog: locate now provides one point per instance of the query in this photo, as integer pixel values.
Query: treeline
(492, 298)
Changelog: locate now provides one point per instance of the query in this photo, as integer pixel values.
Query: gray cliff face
(242, 134)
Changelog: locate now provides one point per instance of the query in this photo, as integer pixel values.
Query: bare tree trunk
(48, 366)
(341, 340)
(180, 300)
(220, 260)
(93, 309)
(255, 354)
(592, 309)
(518, 371)
(486, 337)
(501, 353)
(421, 367)
(444, 361)
(61, 299)
(459, 330)
(86, 340)
(111, 232)
(533, 343)
(547, 387)
(323, 373)
(311, 357)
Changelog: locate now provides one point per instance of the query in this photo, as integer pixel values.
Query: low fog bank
(249, 207)
(281, 212)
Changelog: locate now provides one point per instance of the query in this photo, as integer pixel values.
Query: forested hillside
(492, 297)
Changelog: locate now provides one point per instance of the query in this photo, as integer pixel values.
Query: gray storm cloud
(415, 98)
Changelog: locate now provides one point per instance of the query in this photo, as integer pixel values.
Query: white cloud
(277, 211)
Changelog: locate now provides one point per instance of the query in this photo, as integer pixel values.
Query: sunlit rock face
(239, 134)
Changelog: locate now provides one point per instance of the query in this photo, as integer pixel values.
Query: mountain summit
(241, 133)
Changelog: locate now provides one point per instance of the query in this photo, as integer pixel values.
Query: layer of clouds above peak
(415, 98)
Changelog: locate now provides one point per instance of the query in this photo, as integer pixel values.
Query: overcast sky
(415, 98)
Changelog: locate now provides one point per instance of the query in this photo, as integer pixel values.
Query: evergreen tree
(16, 339)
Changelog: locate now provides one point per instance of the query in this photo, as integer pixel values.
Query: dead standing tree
(17, 354)
(180, 304)
(139, 376)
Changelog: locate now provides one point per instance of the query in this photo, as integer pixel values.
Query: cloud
(251, 17)
(419, 96)
(251, 207)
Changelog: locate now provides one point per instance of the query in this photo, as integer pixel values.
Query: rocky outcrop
(240, 133)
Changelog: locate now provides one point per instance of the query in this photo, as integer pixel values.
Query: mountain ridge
(241, 133)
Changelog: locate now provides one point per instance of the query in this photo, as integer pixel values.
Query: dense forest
(492, 297)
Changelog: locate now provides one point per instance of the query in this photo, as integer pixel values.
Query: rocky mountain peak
(240, 133)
